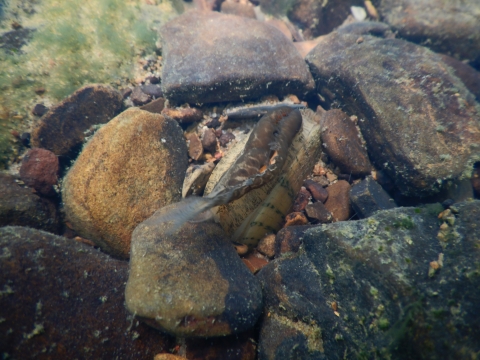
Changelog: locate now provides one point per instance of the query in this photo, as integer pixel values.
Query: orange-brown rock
(131, 167)
(338, 202)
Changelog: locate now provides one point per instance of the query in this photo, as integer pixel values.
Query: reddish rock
(138, 97)
(225, 138)
(289, 239)
(338, 202)
(39, 170)
(317, 212)
(319, 193)
(63, 127)
(266, 246)
(295, 218)
(254, 262)
(209, 140)
(156, 106)
(195, 147)
(239, 8)
(301, 200)
(47, 282)
(341, 142)
(185, 115)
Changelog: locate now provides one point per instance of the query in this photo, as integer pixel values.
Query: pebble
(184, 115)
(266, 246)
(295, 218)
(338, 201)
(39, 110)
(191, 282)
(243, 8)
(302, 199)
(319, 193)
(20, 206)
(63, 127)
(44, 278)
(225, 138)
(139, 97)
(39, 170)
(368, 196)
(195, 147)
(318, 213)
(152, 90)
(114, 163)
(289, 239)
(254, 262)
(207, 66)
(156, 106)
(209, 140)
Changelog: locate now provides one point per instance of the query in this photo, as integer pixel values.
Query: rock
(341, 142)
(451, 28)
(466, 73)
(166, 356)
(476, 181)
(225, 138)
(209, 140)
(63, 127)
(156, 106)
(419, 121)
(39, 110)
(295, 218)
(196, 178)
(222, 60)
(191, 282)
(338, 201)
(254, 262)
(131, 167)
(195, 147)
(184, 115)
(154, 91)
(318, 213)
(266, 246)
(301, 200)
(46, 281)
(20, 206)
(39, 170)
(357, 285)
(319, 193)
(233, 7)
(289, 239)
(368, 196)
(139, 97)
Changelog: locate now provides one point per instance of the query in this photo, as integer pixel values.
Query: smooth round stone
(190, 283)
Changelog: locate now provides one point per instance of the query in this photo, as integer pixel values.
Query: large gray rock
(447, 26)
(401, 284)
(60, 299)
(420, 123)
(210, 57)
(192, 282)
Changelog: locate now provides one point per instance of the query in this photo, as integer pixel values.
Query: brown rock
(39, 170)
(207, 65)
(280, 25)
(195, 147)
(295, 218)
(476, 182)
(266, 246)
(156, 106)
(131, 167)
(319, 193)
(49, 280)
(209, 140)
(301, 200)
(466, 73)
(138, 97)
(155, 91)
(338, 202)
(254, 262)
(39, 110)
(239, 8)
(190, 282)
(63, 127)
(20, 206)
(341, 142)
(317, 212)
(166, 356)
(185, 115)
(234, 347)
(289, 239)
(225, 138)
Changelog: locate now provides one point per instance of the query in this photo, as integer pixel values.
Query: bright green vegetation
(75, 43)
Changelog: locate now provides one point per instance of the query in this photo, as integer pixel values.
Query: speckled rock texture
(421, 125)
(192, 282)
(62, 128)
(20, 206)
(211, 57)
(131, 167)
(60, 299)
(402, 284)
(448, 26)
(39, 170)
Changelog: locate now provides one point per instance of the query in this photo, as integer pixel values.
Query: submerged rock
(192, 282)
(131, 167)
(401, 284)
(63, 127)
(420, 123)
(227, 58)
(63, 299)
(39, 170)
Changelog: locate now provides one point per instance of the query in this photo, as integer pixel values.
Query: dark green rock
(60, 299)
(395, 285)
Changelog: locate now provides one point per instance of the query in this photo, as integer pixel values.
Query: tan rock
(131, 167)
(338, 201)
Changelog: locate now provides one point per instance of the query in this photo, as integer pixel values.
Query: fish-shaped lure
(262, 159)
